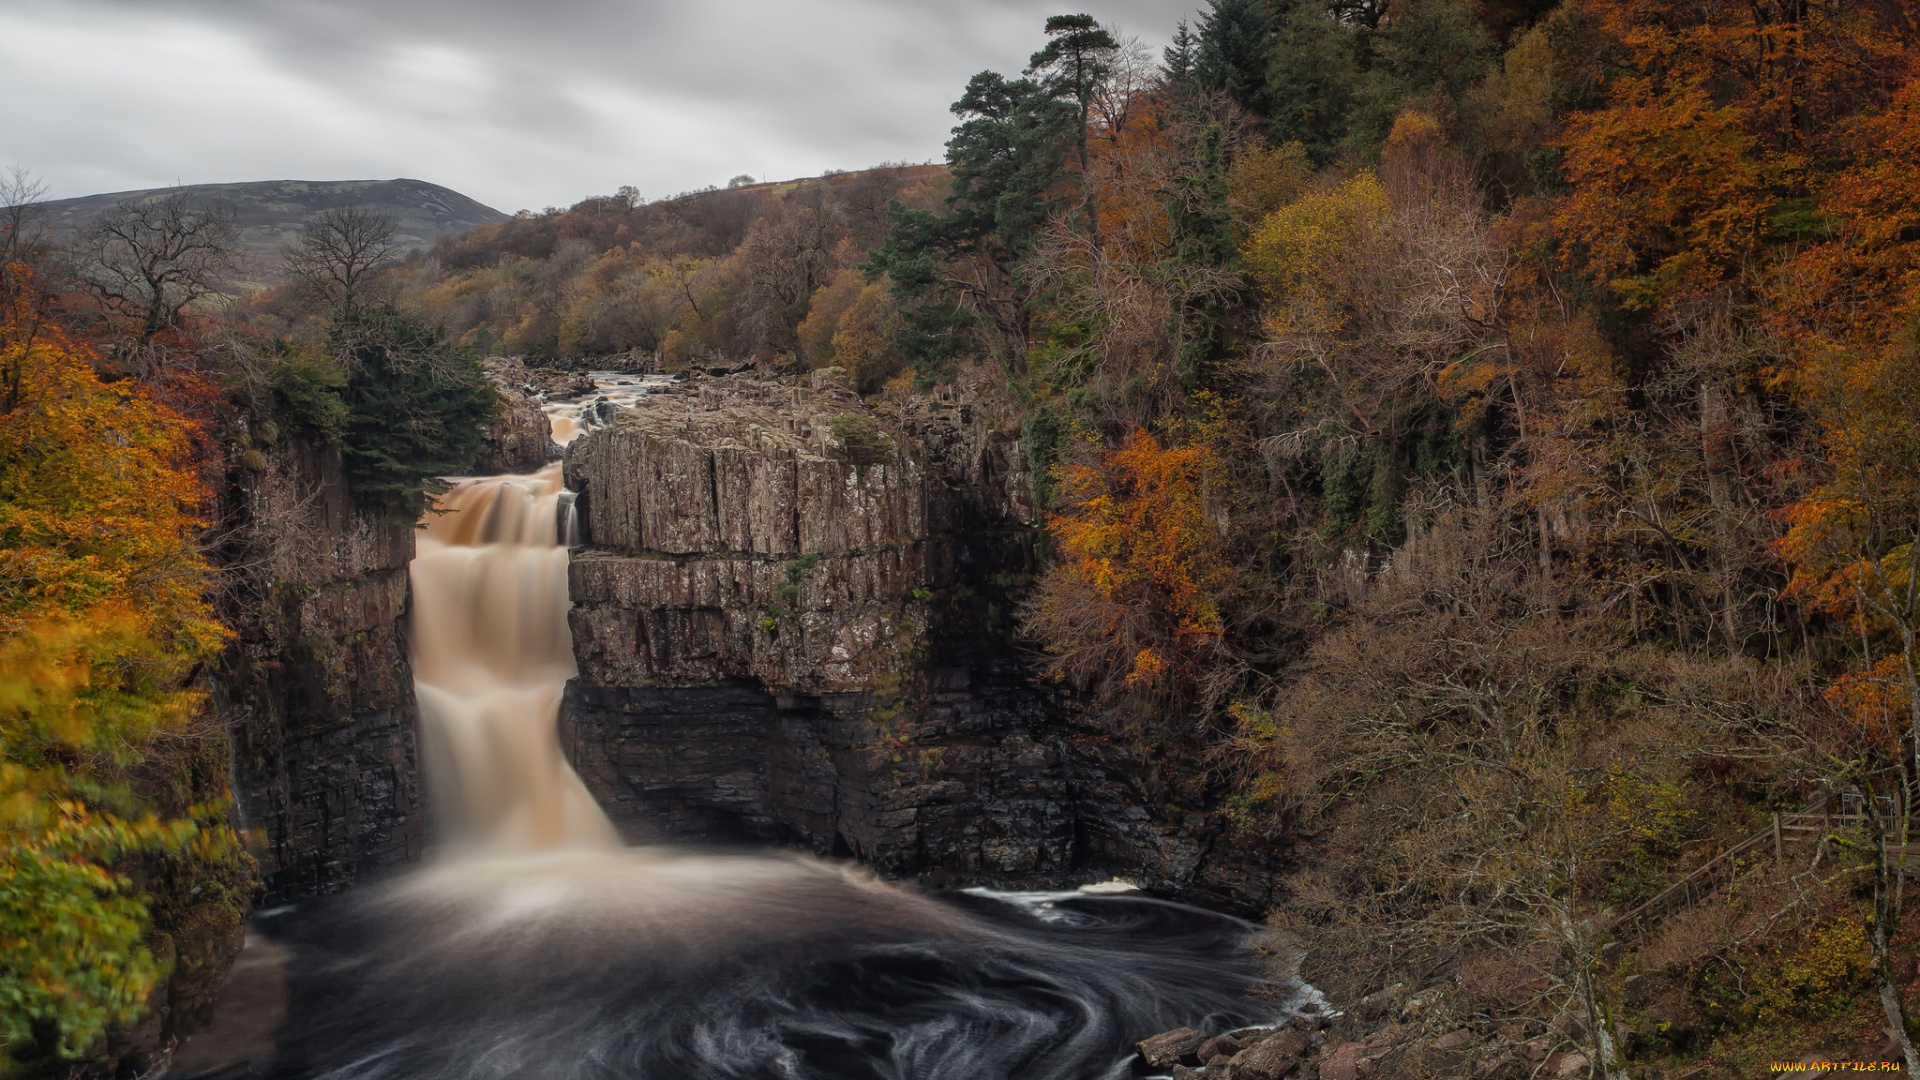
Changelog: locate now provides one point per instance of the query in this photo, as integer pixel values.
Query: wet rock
(793, 620)
(1170, 1047)
(317, 684)
(1181, 1072)
(1223, 1046)
(520, 441)
(1272, 1058)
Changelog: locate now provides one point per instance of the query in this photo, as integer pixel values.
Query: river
(534, 943)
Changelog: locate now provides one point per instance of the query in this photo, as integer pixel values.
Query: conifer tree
(1178, 58)
(1071, 68)
(1231, 55)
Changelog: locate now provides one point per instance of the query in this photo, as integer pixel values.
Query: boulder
(1225, 1045)
(1342, 1062)
(1273, 1057)
(1569, 1066)
(1170, 1047)
(1639, 991)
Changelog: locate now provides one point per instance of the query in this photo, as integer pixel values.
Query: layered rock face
(317, 693)
(520, 441)
(788, 622)
(793, 620)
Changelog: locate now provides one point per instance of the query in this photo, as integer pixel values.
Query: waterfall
(491, 656)
(534, 945)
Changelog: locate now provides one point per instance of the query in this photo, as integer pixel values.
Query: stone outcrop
(522, 440)
(316, 691)
(790, 624)
(794, 622)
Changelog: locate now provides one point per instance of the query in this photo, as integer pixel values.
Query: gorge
(854, 717)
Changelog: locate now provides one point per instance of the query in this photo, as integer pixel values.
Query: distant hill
(271, 214)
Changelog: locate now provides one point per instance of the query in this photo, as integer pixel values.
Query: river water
(533, 943)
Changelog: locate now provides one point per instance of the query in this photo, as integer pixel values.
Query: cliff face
(317, 693)
(794, 621)
(521, 441)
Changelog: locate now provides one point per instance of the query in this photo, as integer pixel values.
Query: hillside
(272, 213)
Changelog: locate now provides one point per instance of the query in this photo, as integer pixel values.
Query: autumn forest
(1477, 444)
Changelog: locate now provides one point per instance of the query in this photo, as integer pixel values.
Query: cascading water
(491, 655)
(534, 945)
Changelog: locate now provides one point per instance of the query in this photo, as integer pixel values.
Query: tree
(342, 247)
(953, 272)
(1132, 608)
(417, 408)
(103, 616)
(1177, 60)
(1312, 80)
(21, 235)
(1231, 57)
(1072, 67)
(151, 259)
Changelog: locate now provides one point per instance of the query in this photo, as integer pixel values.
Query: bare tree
(21, 235)
(342, 249)
(151, 259)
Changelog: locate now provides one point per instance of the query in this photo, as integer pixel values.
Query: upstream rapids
(533, 943)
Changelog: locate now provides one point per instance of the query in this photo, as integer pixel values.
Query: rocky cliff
(794, 623)
(316, 691)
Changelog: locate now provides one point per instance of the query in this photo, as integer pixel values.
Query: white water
(571, 418)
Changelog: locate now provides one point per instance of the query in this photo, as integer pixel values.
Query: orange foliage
(1718, 118)
(103, 617)
(1132, 606)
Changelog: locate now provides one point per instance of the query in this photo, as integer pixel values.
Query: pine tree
(1232, 53)
(1178, 58)
(1071, 67)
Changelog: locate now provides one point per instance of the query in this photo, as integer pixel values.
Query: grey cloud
(513, 102)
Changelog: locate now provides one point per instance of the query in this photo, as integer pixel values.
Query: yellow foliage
(1263, 179)
(830, 301)
(102, 618)
(1822, 979)
(863, 340)
(1297, 250)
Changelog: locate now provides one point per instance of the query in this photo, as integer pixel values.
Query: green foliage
(1230, 56)
(1006, 159)
(417, 408)
(786, 594)
(307, 384)
(866, 444)
(1429, 47)
(1202, 226)
(1313, 80)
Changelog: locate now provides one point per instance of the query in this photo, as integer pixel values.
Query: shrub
(866, 443)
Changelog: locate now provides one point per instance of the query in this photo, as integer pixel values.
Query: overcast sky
(517, 103)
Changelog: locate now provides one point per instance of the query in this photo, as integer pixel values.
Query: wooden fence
(1787, 831)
